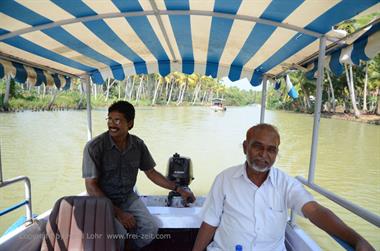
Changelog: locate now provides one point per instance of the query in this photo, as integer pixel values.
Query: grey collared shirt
(116, 171)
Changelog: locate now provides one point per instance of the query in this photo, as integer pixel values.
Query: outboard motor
(180, 170)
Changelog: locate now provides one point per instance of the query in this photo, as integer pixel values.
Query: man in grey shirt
(110, 165)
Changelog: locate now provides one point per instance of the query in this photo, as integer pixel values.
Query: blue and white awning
(114, 39)
(32, 76)
(365, 47)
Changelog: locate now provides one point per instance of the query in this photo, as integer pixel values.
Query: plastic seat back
(80, 223)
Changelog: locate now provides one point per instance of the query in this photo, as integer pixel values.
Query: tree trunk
(7, 91)
(196, 93)
(119, 85)
(350, 83)
(166, 90)
(138, 93)
(54, 95)
(160, 90)
(44, 91)
(126, 88)
(81, 91)
(179, 94)
(183, 92)
(332, 92)
(378, 101)
(204, 97)
(365, 88)
(95, 90)
(108, 88)
(133, 86)
(170, 92)
(157, 85)
(329, 100)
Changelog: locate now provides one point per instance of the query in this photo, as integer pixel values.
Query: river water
(47, 147)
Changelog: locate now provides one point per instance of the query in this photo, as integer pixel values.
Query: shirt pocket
(275, 219)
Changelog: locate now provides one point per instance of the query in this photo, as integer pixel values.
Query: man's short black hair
(125, 108)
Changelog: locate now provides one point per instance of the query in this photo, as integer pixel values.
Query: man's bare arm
(92, 187)
(125, 218)
(205, 235)
(326, 220)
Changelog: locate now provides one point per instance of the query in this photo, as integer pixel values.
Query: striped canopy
(114, 39)
(32, 75)
(364, 47)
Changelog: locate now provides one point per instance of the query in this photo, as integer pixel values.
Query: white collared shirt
(254, 217)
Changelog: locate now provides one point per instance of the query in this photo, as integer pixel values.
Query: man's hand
(126, 219)
(186, 195)
(363, 245)
(162, 181)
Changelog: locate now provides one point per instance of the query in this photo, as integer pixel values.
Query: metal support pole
(28, 193)
(1, 167)
(317, 109)
(263, 99)
(359, 211)
(28, 197)
(87, 87)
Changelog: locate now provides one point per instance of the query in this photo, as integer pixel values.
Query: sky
(242, 84)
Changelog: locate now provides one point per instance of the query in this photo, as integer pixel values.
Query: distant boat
(217, 105)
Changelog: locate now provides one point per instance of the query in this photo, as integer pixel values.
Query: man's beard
(256, 168)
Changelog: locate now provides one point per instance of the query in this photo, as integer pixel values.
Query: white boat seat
(80, 223)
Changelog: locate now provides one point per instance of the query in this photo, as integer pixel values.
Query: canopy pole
(317, 109)
(87, 88)
(1, 167)
(263, 99)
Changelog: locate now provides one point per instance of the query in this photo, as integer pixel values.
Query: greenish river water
(47, 147)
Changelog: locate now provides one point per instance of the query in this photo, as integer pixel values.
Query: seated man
(110, 165)
(248, 204)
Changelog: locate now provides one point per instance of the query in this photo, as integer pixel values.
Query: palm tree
(159, 81)
(196, 85)
(365, 109)
(140, 88)
(350, 83)
(332, 101)
(172, 83)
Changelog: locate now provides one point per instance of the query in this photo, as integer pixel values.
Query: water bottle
(238, 248)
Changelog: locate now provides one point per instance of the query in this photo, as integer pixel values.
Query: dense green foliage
(174, 89)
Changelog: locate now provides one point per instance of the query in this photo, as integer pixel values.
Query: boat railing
(28, 194)
(355, 209)
(28, 197)
(359, 211)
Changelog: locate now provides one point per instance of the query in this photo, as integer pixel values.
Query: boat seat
(80, 223)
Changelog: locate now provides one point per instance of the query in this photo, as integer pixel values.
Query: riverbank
(364, 118)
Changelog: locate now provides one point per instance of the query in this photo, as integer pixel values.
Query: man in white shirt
(248, 204)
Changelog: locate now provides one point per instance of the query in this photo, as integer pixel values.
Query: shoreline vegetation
(29, 100)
